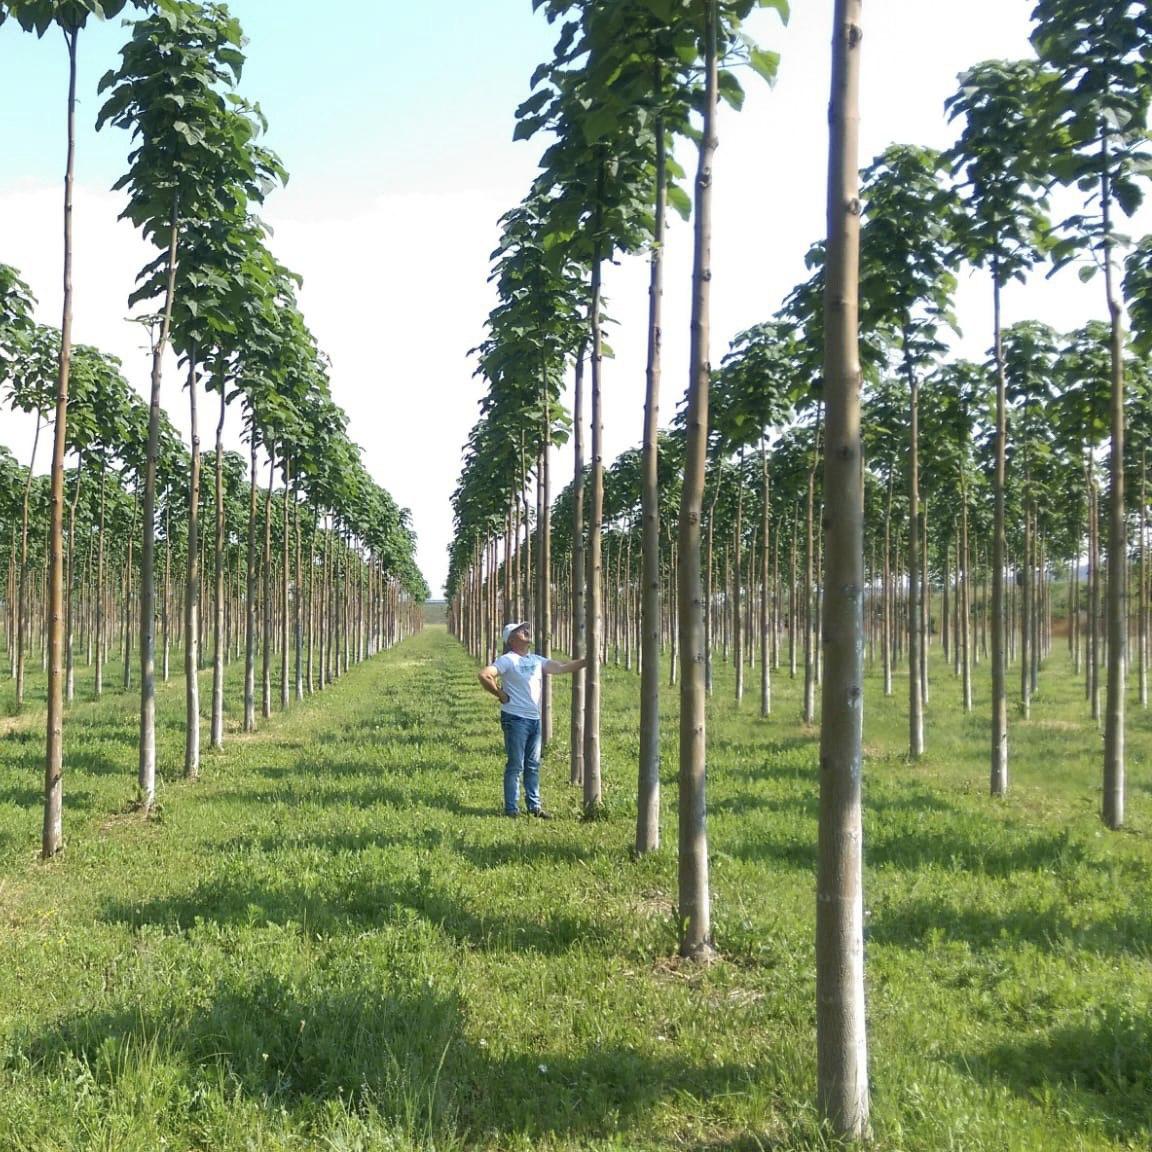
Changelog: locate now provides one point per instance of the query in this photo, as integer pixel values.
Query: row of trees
(197, 175)
(1016, 479)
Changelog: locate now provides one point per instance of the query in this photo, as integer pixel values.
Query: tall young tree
(694, 893)
(70, 16)
(1100, 50)
(1000, 154)
(841, 1041)
(169, 92)
(907, 242)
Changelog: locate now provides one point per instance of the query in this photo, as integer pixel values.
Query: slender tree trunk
(192, 594)
(810, 593)
(22, 588)
(765, 622)
(579, 619)
(1142, 601)
(266, 596)
(695, 915)
(915, 635)
(101, 592)
(147, 775)
(648, 776)
(841, 1039)
(1113, 801)
(999, 762)
(70, 585)
(544, 571)
(52, 838)
(250, 600)
(964, 605)
(218, 639)
(593, 798)
(737, 608)
(1026, 610)
(285, 574)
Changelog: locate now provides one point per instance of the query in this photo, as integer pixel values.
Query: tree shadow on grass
(75, 800)
(336, 843)
(528, 852)
(893, 844)
(1098, 1071)
(779, 759)
(395, 1044)
(914, 922)
(362, 902)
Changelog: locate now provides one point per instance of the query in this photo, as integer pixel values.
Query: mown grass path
(333, 940)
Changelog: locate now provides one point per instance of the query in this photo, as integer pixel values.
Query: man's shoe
(539, 813)
(513, 815)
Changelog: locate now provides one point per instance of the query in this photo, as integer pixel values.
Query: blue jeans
(522, 747)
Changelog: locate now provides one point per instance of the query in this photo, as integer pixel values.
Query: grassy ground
(333, 941)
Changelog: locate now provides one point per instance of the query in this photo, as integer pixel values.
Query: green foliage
(1098, 112)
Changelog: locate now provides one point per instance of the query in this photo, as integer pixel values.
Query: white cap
(510, 628)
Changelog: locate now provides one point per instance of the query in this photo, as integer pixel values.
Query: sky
(396, 131)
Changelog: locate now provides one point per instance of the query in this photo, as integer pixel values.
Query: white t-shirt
(520, 677)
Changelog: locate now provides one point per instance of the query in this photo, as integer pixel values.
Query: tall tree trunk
(22, 612)
(593, 603)
(737, 601)
(544, 572)
(250, 598)
(70, 586)
(146, 781)
(648, 775)
(1113, 801)
(809, 610)
(695, 915)
(915, 634)
(841, 1040)
(579, 620)
(1142, 602)
(101, 592)
(52, 838)
(266, 596)
(964, 604)
(1027, 567)
(285, 574)
(765, 623)
(999, 750)
(192, 594)
(218, 638)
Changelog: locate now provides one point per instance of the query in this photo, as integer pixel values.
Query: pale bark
(1113, 799)
(192, 596)
(648, 774)
(999, 751)
(695, 916)
(593, 601)
(841, 1041)
(146, 780)
(52, 839)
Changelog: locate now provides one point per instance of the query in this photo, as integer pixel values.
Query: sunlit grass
(334, 940)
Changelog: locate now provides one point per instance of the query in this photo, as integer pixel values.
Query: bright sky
(397, 134)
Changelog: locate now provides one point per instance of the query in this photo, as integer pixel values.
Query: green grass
(333, 940)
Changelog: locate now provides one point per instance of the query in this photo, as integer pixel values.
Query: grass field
(333, 941)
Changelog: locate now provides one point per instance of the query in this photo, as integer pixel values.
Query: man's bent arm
(487, 677)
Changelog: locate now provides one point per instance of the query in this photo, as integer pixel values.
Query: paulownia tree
(70, 16)
(1004, 228)
(841, 1039)
(1100, 51)
(169, 92)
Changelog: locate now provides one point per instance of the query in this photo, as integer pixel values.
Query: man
(515, 680)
